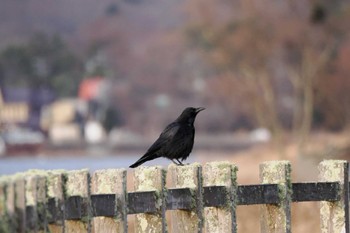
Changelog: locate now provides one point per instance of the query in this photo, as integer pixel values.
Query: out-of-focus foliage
(43, 61)
(282, 65)
(282, 62)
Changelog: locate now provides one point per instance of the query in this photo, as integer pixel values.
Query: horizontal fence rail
(202, 199)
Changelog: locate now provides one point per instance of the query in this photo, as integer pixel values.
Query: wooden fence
(202, 199)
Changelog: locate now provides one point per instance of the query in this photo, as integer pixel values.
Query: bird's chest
(182, 143)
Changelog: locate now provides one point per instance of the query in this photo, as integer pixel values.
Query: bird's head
(189, 115)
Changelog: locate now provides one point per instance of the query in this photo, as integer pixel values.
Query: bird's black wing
(159, 145)
(166, 136)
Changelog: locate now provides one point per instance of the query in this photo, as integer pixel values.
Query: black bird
(176, 140)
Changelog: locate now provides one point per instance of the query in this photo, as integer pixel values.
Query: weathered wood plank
(277, 218)
(35, 201)
(103, 205)
(4, 215)
(335, 214)
(143, 202)
(108, 187)
(55, 202)
(10, 204)
(321, 191)
(180, 199)
(188, 176)
(77, 219)
(220, 190)
(20, 202)
(152, 181)
(258, 194)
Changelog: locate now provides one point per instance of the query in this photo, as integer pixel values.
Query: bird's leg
(175, 162)
(182, 160)
(180, 163)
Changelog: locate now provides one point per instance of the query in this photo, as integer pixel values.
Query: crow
(176, 140)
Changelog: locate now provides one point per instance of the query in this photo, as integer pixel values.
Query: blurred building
(71, 120)
(61, 120)
(23, 106)
(20, 110)
(14, 109)
(94, 91)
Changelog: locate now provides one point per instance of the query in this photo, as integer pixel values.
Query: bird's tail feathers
(142, 160)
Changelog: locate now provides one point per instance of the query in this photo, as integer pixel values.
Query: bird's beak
(199, 109)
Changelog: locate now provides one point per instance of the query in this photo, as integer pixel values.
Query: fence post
(335, 215)
(2, 199)
(55, 195)
(20, 202)
(110, 181)
(221, 219)
(11, 221)
(151, 179)
(35, 200)
(4, 224)
(77, 202)
(277, 218)
(188, 176)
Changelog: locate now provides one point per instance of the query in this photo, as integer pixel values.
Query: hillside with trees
(279, 65)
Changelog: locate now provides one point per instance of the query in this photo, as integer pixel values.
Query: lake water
(11, 165)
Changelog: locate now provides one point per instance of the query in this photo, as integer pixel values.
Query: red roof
(89, 88)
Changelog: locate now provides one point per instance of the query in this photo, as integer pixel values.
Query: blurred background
(92, 83)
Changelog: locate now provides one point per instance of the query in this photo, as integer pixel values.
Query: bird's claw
(178, 162)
